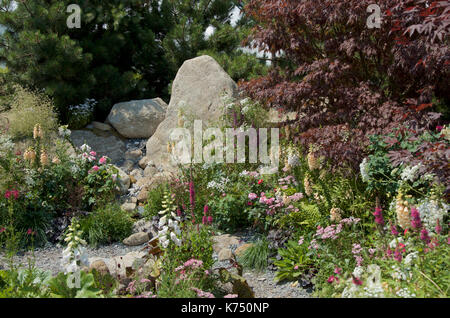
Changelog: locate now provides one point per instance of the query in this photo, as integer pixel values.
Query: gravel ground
(263, 283)
(49, 257)
(264, 286)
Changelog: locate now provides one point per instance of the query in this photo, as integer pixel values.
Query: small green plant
(256, 256)
(154, 204)
(106, 225)
(294, 261)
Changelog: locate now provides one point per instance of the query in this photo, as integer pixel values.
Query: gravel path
(264, 286)
(49, 257)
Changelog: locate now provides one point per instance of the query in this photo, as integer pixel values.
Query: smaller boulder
(101, 126)
(128, 207)
(136, 239)
(124, 181)
(100, 266)
(134, 154)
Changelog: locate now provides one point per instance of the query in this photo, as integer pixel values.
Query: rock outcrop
(197, 91)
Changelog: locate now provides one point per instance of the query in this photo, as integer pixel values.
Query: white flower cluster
(431, 212)
(6, 145)
(75, 255)
(83, 109)
(410, 173)
(397, 273)
(168, 224)
(218, 186)
(372, 287)
(410, 257)
(64, 131)
(30, 177)
(293, 157)
(405, 293)
(364, 169)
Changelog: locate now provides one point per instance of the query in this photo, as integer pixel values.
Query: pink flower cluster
(296, 197)
(207, 219)
(330, 231)
(288, 180)
(202, 294)
(12, 193)
(356, 251)
(91, 156)
(333, 278)
(416, 223)
(192, 263)
(252, 196)
(378, 216)
(273, 203)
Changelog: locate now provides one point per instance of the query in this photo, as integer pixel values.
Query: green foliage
(154, 202)
(197, 244)
(256, 256)
(106, 225)
(302, 221)
(294, 261)
(59, 286)
(74, 64)
(228, 212)
(24, 283)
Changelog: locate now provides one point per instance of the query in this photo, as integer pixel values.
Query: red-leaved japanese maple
(345, 80)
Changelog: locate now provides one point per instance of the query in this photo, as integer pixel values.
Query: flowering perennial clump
(168, 224)
(75, 255)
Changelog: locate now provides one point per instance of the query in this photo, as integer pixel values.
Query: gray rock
(150, 171)
(128, 207)
(101, 126)
(136, 239)
(124, 181)
(225, 254)
(110, 145)
(133, 154)
(144, 162)
(138, 118)
(197, 90)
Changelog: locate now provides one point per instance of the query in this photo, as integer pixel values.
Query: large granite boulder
(105, 144)
(197, 91)
(138, 118)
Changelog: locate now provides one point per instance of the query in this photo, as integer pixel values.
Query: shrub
(81, 115)
(347, 81)
(106, 225)
(29, 108)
